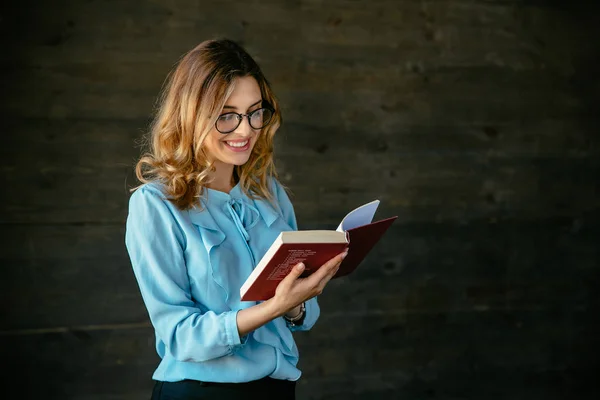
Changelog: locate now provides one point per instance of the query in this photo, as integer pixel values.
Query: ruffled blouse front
(190, 266)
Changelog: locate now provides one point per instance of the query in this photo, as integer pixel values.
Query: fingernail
(300, 266)
(344, 255)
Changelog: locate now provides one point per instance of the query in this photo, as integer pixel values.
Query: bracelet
(292, 321)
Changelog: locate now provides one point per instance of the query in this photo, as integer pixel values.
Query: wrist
(273, 308)
(249, 319)
(294, 312)
(297, 319)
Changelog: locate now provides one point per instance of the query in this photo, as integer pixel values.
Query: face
(235, 148)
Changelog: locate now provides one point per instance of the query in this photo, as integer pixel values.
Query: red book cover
(313, 255)
(361, 241)
(356, 232)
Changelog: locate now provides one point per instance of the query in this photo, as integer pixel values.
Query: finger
(334, 271)
(325, 281)
(294, 274)
(327, 267)
(331, 274)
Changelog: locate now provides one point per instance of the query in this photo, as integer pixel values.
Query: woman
(209, 208)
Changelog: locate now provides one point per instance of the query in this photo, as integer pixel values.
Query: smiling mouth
(238, 146)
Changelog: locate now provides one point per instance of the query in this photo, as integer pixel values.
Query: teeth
(237, 144)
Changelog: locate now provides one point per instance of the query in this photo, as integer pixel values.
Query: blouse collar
(216, 198)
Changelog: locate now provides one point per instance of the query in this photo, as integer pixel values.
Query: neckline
(219, 195)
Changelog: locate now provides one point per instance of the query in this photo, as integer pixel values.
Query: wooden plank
(471, 120)
(447, 96)
(480, 182)
(443, 187)
(338, 24)
(104, 364)
(117, 142)
(350, 24)
(411, 341)
(69, 195)
(518, 139)
(439, 352)
(70, 292)
(417, 268)
(81, 51)
(389, 352)
(86, 142)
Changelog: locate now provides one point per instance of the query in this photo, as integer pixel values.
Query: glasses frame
(240, 118)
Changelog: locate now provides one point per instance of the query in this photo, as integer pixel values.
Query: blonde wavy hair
(190, 103)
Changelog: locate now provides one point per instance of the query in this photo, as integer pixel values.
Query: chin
(240, 159)
(239, 162)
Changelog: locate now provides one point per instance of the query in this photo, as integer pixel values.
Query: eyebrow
(235, 108)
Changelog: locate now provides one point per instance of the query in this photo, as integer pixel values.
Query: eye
(257, 114)
(228, 117)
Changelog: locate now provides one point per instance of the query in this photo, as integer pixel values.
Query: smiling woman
(209, 207)
(199, 115)
(231, 142)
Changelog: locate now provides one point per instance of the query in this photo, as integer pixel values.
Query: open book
(314, 248)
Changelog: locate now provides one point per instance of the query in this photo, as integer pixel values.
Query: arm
(155, 245)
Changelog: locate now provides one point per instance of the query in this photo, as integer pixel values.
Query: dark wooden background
(474, 121)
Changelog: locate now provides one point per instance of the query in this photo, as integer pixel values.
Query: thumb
(292, 275)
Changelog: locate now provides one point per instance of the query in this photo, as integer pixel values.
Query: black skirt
(263, 389)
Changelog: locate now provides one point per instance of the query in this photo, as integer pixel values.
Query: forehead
(245, 92)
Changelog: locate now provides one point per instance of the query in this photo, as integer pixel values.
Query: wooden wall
(474, 121)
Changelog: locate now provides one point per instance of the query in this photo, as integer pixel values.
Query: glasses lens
(260, 118)
(227, 122)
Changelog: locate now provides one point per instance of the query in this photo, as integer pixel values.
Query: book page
(312, 237)
(359, 216)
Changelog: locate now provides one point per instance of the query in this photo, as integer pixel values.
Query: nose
(244, 129)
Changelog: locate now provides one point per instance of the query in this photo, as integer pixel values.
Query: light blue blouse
(190, 265)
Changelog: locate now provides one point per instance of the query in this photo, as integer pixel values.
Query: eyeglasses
(258, 119)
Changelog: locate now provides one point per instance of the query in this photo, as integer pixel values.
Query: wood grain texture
(529, 356)
(474, 121)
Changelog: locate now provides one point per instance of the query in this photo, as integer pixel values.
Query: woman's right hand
(293, 290)
(290, 292)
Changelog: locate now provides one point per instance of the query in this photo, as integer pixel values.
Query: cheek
(212, 145)
(214, 140)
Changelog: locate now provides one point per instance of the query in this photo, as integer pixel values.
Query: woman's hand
(293, 290)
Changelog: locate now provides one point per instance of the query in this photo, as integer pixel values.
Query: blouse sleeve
(287, 209)
(155, 244)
